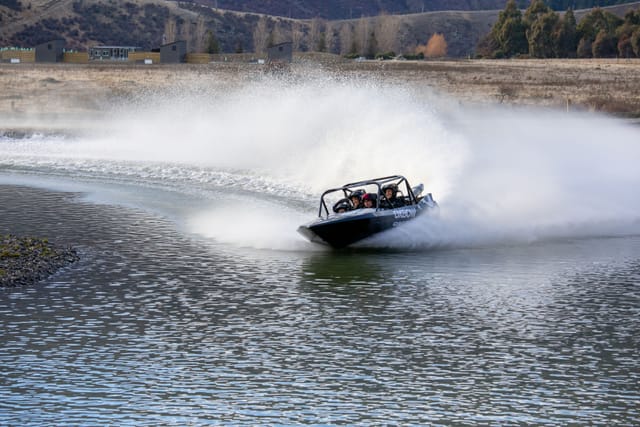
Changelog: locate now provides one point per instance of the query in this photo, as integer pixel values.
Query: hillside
(353, 9)
(348, 9)
(143, 23)
(147, 23)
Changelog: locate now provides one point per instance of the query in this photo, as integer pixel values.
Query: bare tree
(170, 31)
(279, 33)
(330, 37)
(261, 35)
(200, 34)
(296, 35)
(317, 34)
(387, 32)
(346, 38)
(186, 34)
(362, 34)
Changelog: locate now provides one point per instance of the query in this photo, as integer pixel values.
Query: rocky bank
(28, 260)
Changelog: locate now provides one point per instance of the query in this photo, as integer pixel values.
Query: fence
(18, 55)
(154, 57)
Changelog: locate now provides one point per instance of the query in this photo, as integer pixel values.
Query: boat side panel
(342, 230)
(341, 234)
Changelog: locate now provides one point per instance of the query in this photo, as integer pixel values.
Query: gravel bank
(27, 260)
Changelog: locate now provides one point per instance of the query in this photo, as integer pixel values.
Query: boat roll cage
(350, 188)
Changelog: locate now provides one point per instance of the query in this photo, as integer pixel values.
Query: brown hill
(348, 9)
(149, 23)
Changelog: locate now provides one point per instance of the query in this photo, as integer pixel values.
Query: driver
(342, 206)
(389, 200)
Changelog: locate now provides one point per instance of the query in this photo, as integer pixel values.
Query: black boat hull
(339, 231)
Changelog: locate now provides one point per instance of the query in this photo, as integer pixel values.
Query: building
(282, 52)
(52, 51)
(111, 53)
(173, 53)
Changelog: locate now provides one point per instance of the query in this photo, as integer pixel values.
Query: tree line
(540, 32)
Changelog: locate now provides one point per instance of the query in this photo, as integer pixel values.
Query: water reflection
(153, 327)
(344, 268)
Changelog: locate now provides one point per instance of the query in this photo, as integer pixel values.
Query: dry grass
(611, 86)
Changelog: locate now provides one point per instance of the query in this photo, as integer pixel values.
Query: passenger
(369, 200)
(389, 201)
(356, 199)
(342, 206)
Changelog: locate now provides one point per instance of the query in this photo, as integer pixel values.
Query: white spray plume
(499, 174)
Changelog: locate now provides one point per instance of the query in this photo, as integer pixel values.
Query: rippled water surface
(195, 302)
(155, 326)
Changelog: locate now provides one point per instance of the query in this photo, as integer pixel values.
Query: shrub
(625, 50)
(604, 46)
(386, 55)
(635, 42)
(584, 48)
(413, 57)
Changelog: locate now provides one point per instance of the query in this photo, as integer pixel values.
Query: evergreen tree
(536, 9)
(595, 21)
(544, 34)
(540, 35)
(604, 46)
(625, 49)
(632, 17)
(509, 31)
(602, 25)
(512, 38)
(539, 41)
(566, 40)
(624, 34)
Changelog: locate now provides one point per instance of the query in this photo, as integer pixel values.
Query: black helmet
(392, 187)
(358, 194)
(342, 204)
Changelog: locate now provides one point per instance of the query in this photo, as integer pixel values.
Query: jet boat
(346, 224)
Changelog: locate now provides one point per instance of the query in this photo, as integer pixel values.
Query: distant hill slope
(147, 23)
(353, 9)
(348, 9)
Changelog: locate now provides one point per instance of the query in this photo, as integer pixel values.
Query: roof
(115, 47)
(175, 42)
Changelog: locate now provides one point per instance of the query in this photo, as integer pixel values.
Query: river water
(195, 302)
